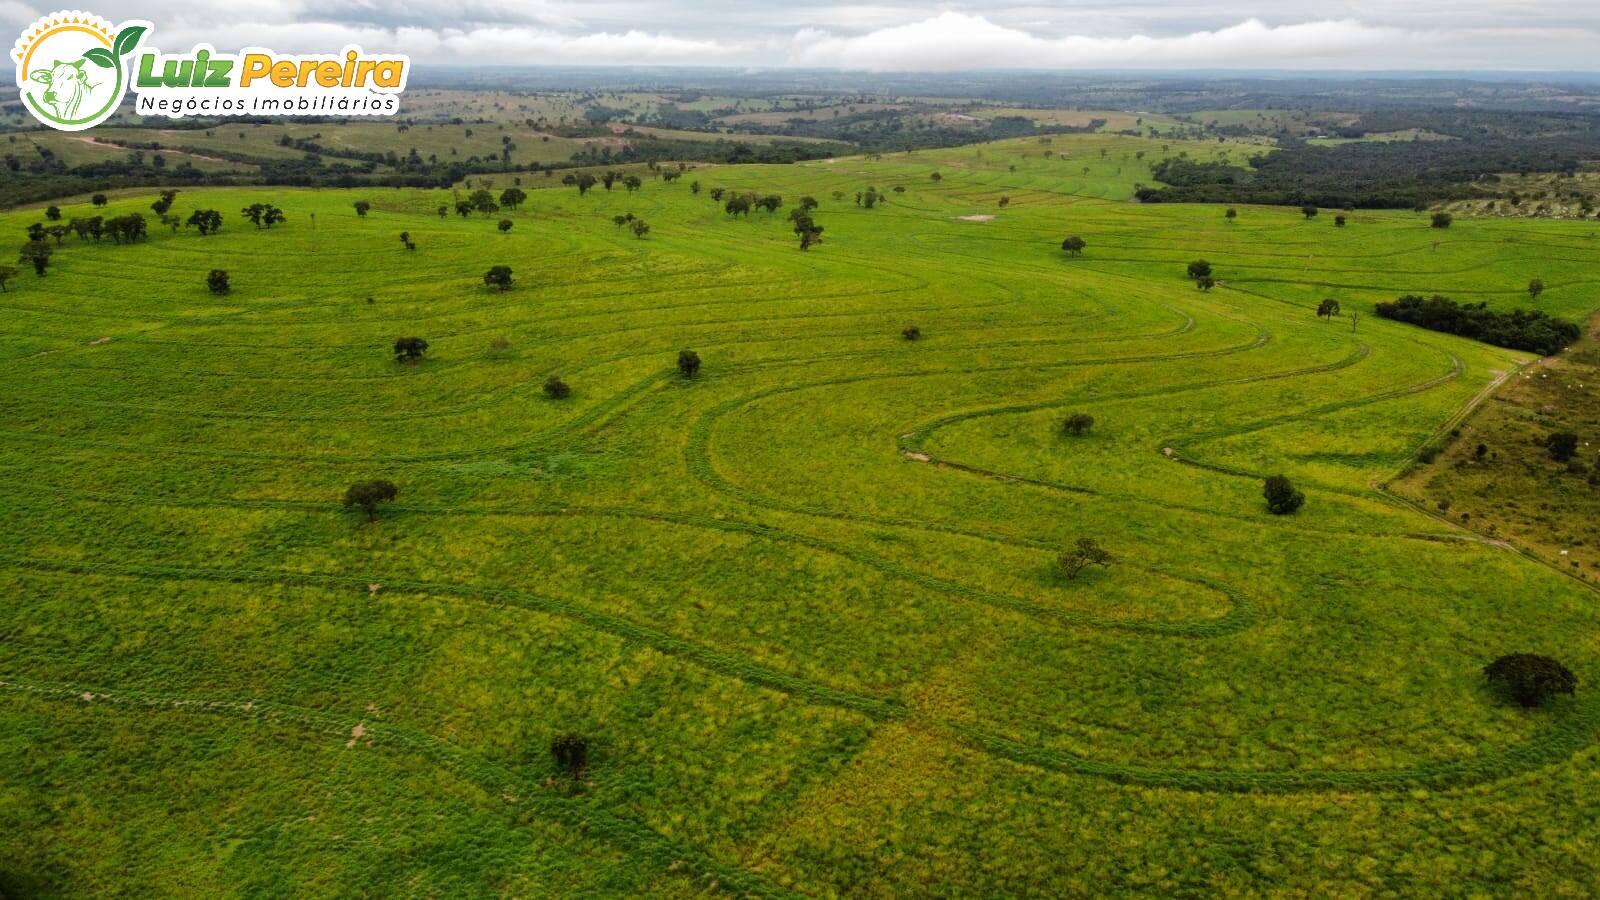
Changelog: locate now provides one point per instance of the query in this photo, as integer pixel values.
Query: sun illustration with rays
(70, 67)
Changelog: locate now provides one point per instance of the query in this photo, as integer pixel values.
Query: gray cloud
(889, 34)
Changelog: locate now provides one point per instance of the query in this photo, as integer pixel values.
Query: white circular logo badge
(72, 68)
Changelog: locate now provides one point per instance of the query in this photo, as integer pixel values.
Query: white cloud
(955, 40)
(488, 45)
(895, 34)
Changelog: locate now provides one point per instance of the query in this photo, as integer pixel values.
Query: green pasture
(803, 604)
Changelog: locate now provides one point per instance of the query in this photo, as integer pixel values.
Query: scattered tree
(512, 197)
(1199, 269)
(504, 226)
(369, 495)
(640, 228)
(1086, 553)
(7, 273)
(1442, 220)
(1205, 282)
(1562, 445)
(98, 199)
(911, 333)
(571, 752)
(1535, 288)
(361, 208)
(208, 221)
(688, 363)
(53, 213)
(263, 215)
(556, 389)
(1282, 498)
(1530, 679)
(1327, 309)
(1231, 214)
(37, 254)
(1338, 221)
(1309, 211)
(498, 277)
(1074, 245)
(409, 349)
(1077, 424)
(217, 281)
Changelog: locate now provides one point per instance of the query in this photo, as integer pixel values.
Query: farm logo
(70, 68)
(74, 68)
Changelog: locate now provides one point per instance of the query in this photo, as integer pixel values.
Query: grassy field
(803, 604)
(1512, 488)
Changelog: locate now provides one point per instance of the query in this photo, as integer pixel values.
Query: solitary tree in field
(498, 277)
(37, 254)
(1309, 211)
(98, 199)
(571, 752)
(1074, 245)
(1535, 288)
(207, 221)
(640, 228)
(1231, 214)
(911, 333)
(1077, 424)
(1530, 679)
(1199, 269)
(1328, 308)
(688, 363)
(369, 495)
(362, 207)
(504, 226)
(1562, 445)
(409, 349)
(7, 273)
(217, 281)
(1282, 498)
(1086, 553)
(263, 215)
(936, 177)
(1003, 202)
(556, 389)
(1338, 221)
(1442, 220)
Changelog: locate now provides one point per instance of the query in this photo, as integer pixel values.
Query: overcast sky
(894, 35)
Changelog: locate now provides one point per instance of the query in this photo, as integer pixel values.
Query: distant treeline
(46, 176)
(890, 130)
(1389, 174)
(1521, 329)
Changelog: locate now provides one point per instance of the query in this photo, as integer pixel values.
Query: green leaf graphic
(127, 39)
(101, 57)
